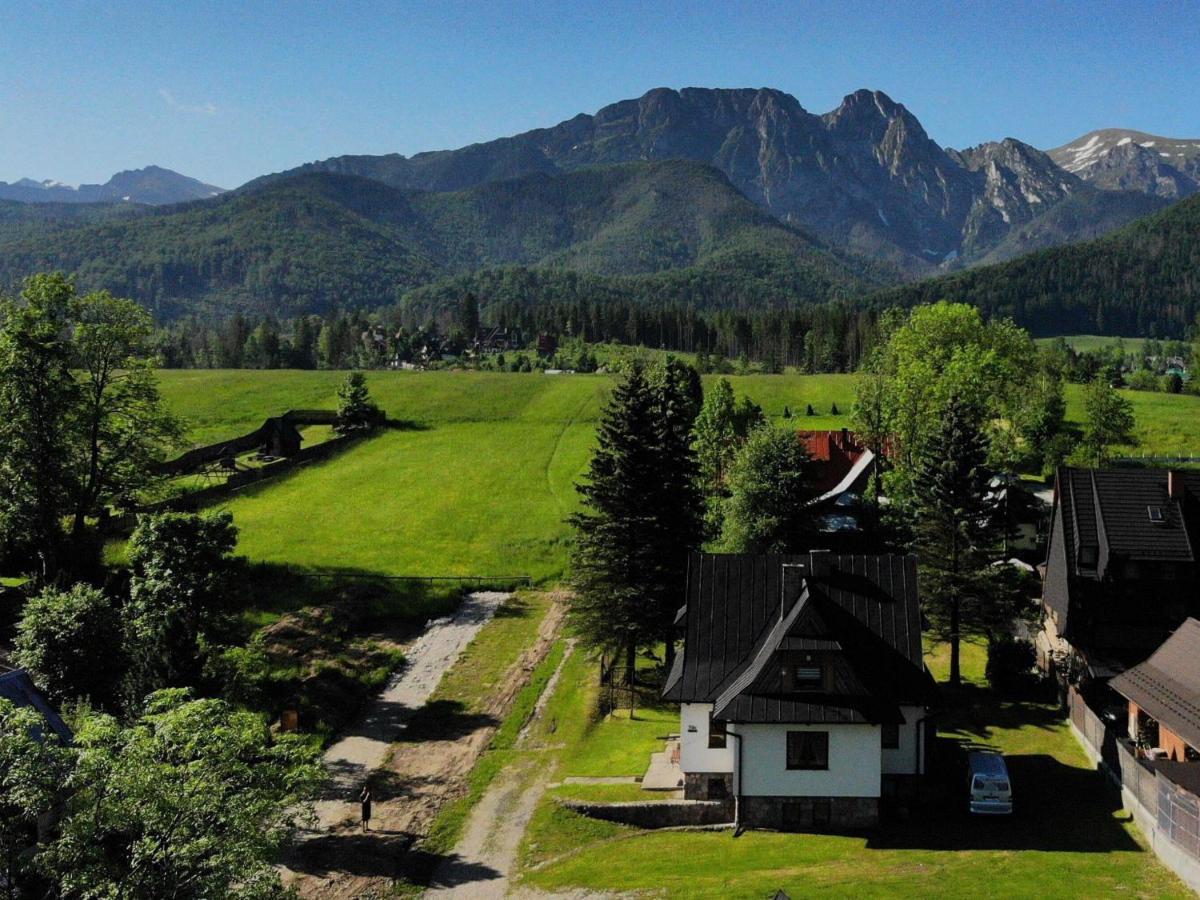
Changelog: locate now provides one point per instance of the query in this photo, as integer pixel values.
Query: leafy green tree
(38, 423)
(194, 800)
(181, 593)
(355, 410)
(957, 530)
(943, 350)
(1107, 421)
(71, 641)
(770, 489)
(124, 425)
(642, 514)
(34, 768)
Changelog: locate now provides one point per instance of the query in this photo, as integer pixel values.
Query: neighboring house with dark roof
(1121, 568)
(1164, 697)
(802, 688)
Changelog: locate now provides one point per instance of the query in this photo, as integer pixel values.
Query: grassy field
(1090, 343)
(1069, 838)
(477, 480)
(479, 477)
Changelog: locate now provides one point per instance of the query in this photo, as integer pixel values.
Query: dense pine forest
(1142, 280)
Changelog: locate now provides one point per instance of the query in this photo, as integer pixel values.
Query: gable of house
(750, 620)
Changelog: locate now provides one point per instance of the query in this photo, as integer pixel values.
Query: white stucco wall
(903, 761)
(694, 753)
(854, 762)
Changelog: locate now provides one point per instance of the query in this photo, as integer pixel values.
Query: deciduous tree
(71, 641)
(194, 800)
(180, 595)
(770, 489)
(1107, 421)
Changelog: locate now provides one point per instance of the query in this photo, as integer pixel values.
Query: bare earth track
(414, 768)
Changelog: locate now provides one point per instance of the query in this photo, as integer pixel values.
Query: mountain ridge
(322, 240)
(864, 175)
(151, 185)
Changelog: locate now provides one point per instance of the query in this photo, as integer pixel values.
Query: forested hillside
(320, 241)
(1143, 279)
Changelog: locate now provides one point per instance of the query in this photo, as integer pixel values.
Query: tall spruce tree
(956, 530)
(642, 514)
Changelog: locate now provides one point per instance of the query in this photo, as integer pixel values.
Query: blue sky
(228, 91)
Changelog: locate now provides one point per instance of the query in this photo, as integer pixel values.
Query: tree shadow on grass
(1056, 807)
(443, 720)
(371, 854)
(405, 425)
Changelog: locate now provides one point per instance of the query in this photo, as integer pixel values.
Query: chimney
(790, 586)
(1174, 484)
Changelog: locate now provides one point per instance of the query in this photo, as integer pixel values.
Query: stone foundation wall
(810, 813)
(657, 813)
(708, 786)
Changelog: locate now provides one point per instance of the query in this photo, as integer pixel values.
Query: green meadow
(476, 479)
(478, 475)
(1090, 343)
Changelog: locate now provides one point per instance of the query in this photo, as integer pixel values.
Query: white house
(802, 687)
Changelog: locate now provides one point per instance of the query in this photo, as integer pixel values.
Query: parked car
(988, 785)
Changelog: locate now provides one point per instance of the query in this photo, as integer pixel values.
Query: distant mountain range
(153, 185)
(730, 198)
(864, 176)
(1117, 159)
(669, 230)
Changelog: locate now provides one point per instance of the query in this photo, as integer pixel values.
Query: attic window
(1156, 514)
(808, 678)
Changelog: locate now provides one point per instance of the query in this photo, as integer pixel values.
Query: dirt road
(364, 748)
(484, 857)
(418, 766)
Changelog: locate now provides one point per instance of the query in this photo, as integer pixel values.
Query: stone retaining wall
(810, 813)
(657, 813)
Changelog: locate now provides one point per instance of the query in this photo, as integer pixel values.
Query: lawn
(479, 477)
(476, 480)
(1069, 839)
(1090, 343)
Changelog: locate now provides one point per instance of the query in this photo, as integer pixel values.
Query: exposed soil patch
(425, 768)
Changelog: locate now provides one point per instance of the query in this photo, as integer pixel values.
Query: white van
(989, 786)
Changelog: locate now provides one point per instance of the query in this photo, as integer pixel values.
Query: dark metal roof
(18, 688)
(1108, 512)
(1109, 509)
(1167, 685)
(744, 610)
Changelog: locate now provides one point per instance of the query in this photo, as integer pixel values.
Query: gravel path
(365, 746)
(480, 865)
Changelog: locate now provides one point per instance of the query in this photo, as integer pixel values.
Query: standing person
(364, 800)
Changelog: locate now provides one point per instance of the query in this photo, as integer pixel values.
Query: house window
(808, 678)
(716, 733)
(889, 736)
(808, 749)
(1087, 557)
(717, 789)
(1156, 514)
